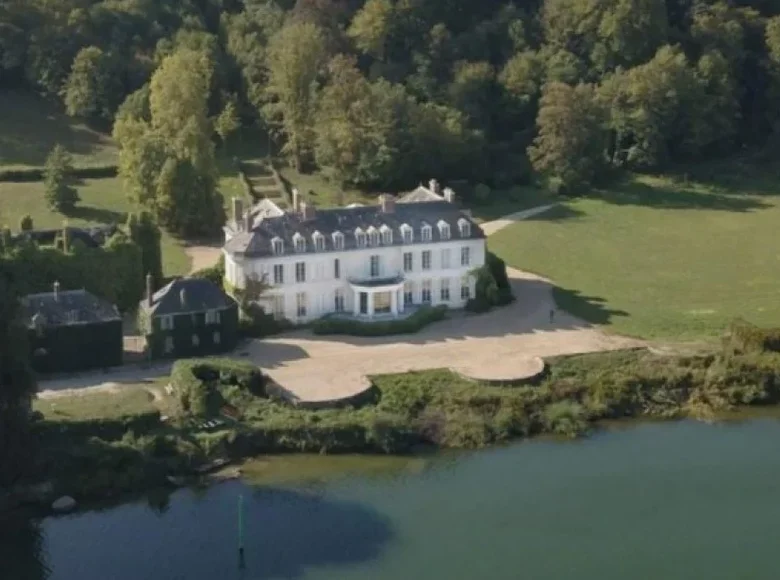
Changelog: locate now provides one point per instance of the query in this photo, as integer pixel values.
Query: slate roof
(67, 307)
(419, 194)
(262, 209)
(257, 242)
(187, 295)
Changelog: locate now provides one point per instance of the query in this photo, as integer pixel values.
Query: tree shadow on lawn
(640, 194)
(591, 309)
(96, 214)
(558, 213)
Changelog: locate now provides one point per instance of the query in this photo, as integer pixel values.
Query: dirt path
(202, 256)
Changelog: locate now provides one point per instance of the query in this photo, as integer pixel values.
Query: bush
(565, 418)
(492, 286)
(26, 223)
(214, 274)
(414, 323)
(743, 336)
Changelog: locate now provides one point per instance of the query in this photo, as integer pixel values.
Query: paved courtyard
(319, 368)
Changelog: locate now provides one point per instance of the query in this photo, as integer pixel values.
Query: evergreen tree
(59, 193)
(144, 232)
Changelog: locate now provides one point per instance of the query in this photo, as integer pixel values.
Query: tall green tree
(143, 230)
(92, 89)
(59, 192)
(297, 55)
(372, 26)
(569, 146)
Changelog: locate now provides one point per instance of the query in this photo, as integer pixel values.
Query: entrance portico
(378, 296)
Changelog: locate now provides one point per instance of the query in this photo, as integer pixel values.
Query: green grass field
(661, 258)
(125, 401)
(30, 126)
(102, 201)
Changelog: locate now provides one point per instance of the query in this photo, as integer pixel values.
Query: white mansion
(359, 260)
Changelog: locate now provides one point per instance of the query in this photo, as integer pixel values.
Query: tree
(227, 122)
(92, 89)
(143, 231)
(26, 223)
(569, 146)
(59, 193)
(17, 384)
(473, 91)
(372, 26)
(296, 57)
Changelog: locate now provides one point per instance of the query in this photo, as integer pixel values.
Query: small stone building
(188, 317)
(72, 330)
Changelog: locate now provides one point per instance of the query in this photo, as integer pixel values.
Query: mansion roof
(285, 230)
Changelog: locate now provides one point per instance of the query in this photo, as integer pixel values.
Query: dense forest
(384, 93)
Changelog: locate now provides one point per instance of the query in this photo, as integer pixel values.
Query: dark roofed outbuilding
(189, 317)
(72, 330)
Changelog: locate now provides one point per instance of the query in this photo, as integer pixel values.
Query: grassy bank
(660, 258)
(125, 447)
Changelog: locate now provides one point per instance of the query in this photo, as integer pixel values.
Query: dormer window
(373, 236)
(338, 241)
(425, 233)
(300, 243)
(319, 241)
(387, 235)
(360, 238)
(277, 245)
(465, 228)
(407, 234)
(444, 230)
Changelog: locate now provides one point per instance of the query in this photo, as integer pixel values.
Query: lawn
(30, 126)
(124, 401)
(660, 258)
(102, 201)
(325, 193)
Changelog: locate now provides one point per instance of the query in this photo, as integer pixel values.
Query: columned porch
(378, 297)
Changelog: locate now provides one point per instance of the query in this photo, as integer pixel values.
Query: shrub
(26, 223)
(565, 418)
(492, 285)
(743, 336)
(413, 323)
(58, 180)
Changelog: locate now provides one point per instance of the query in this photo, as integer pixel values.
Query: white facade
(307, 286)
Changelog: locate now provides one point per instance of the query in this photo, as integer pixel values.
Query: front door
(364, 303)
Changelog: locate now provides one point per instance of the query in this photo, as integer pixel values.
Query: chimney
(308, 211)
(248, 221)
(238, 210)
(433, 185)
(388, 203)
(449, 195)
(56, 287)
(149, 290)
(296, 200)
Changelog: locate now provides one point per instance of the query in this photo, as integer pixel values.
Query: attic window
(360, 238)
(407, 234)
(300, 243)
(387, 235)
(277, 245)
(319, 241)
(373, 235)
(444, 230)
(465, 228)
(425, 233)
(338, 241)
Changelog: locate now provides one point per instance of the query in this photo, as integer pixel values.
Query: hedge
(26, 174)
(414, 323)
(492, 287)
(742, 336)
(107, 429)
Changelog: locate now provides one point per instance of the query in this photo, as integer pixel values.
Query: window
(277, 306)
(407, 234)
(216, 338)
(465, 256)
(408, 294)
(408, 262)
(338, 241)
(277, 245)
(337, 268)
(445, 290)
(374, 266)
(360, 238)
(387, 236)
(300, 243)
(166, 323)
(169, 344)
(426, 292)
(195, 340)
(445, 258)
(212, 317)
(300, 271)
(465, 289)
(373, 236)
(444, 230)
(319, 241)
(278, 273)
(425, 233)
(426, 260)
(300, 304)
(465, 228)
(339, 301)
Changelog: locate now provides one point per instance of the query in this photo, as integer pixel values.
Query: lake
(681, 500)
